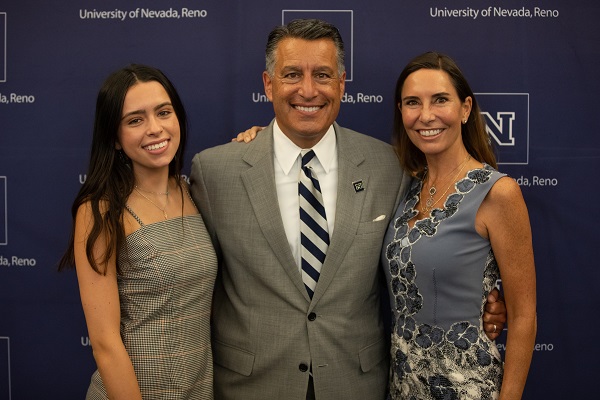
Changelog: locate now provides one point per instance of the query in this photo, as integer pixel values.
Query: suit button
(312, 316)
(303, 367)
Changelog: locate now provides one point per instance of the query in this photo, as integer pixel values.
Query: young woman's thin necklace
(430, 202)
(149, 191)
(153, 203)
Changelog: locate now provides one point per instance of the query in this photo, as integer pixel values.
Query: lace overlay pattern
(428, 361)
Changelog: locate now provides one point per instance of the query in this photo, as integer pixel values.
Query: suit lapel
(348, 208)
(259, 182)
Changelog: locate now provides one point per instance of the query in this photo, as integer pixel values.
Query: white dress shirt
(287, 172)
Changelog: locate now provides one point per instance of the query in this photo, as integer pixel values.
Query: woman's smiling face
(432, 112)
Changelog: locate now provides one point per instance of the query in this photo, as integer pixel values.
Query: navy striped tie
(314, 236)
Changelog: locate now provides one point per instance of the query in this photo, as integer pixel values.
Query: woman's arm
(506, 220)
(100, 300)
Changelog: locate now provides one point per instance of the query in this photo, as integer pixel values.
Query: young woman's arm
(100, 300)
(506, 220)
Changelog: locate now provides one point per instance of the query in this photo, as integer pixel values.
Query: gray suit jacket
(266, 330)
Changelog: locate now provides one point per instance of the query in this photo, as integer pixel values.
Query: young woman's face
(432, 112)
(149, 131)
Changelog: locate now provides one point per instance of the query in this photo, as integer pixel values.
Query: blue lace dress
(439, 274)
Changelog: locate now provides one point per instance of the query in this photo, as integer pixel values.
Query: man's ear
(342, 85)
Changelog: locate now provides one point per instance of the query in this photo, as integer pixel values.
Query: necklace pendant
(432, 190)
(429, 202)
(165, 214)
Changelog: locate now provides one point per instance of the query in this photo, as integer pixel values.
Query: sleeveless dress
(166, 280)
(439, 274)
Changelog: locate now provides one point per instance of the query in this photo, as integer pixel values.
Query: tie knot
(307, 157)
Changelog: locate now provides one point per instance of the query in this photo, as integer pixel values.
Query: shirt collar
(286, 151)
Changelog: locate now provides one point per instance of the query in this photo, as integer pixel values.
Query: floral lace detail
(427, 361)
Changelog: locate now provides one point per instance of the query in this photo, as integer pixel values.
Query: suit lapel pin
(358, 186)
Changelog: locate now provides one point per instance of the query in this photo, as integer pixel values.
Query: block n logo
(500, 128)
(507, 118)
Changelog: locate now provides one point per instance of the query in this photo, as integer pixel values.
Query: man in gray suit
(272, 337)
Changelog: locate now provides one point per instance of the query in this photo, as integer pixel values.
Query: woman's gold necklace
(430, 202)
(149, 191)
(163, 209)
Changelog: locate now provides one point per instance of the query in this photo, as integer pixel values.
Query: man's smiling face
(306, 89)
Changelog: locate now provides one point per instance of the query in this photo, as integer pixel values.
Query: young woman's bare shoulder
(85, 212)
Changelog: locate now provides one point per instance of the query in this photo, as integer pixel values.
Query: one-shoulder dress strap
(134, 215)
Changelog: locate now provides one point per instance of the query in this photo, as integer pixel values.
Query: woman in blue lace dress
(462, 226)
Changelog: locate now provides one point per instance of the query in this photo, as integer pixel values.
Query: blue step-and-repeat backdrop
(534, 65)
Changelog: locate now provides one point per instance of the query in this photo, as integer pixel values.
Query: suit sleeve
(198, 188)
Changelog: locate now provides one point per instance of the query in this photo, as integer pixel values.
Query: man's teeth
(431, 132)
(307, 109)
(156, 146)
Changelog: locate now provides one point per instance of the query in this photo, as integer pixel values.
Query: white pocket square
(380, 218)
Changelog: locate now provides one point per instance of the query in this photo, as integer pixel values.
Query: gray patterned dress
(167, 274)
(439, 274)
